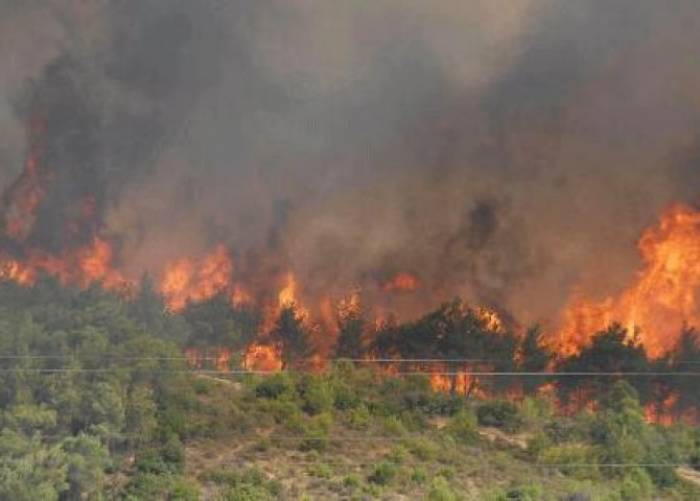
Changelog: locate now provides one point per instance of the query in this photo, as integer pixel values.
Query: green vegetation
(97, 402)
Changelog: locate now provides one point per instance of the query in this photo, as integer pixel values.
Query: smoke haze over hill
(505, 151)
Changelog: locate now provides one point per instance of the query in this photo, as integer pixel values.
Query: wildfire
(262, 357)
(88, 264)
(491, 318)
(25, 195)
(189, 280)
(401, 282)
(287, 296)
(660, 301)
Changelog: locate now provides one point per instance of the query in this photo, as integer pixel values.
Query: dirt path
(496, 435)
(689, 474)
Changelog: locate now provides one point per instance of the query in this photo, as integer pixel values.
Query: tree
(30, 470)
(292, 338)
(149, 310)
(610, 352)
(214, 323)
(86, 461)
(351, 331)
(685, 357)
(533, 357)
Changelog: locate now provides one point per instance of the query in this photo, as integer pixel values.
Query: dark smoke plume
(499, 150)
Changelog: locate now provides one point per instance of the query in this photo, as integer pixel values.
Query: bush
(317, 395)
(156, 461)
(422, 448)
(316, 436)
(274, 386)
(345, 398)
(383, 473)
(440, 490)
(183, 489)
(695, 461)
(150, 486)
(393, 426)
(500, 414)
(636, 485)
(320, 470)
(398, 455)
(530, 492)
(576, 460)
(286, 413)
(359, 417)
(247, 485)
(535, 411)
(351, 482)
(463, 427)
(419, 475)
(563, 430)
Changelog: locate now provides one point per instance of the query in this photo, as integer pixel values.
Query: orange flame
(88, 264)
(287, 296)
(661, 300)
(262, 357)
(188, 280)
(401, 282)
(29, 190)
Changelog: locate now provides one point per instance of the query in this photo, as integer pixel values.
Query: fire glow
(656, 306)
(661, 300)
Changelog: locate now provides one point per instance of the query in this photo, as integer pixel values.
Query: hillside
(322, 437)
(99, 400)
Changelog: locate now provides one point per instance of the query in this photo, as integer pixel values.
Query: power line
(393, 373)
(299, 360)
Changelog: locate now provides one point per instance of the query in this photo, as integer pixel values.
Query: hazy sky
(503, 150)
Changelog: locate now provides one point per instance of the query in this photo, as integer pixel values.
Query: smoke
(505, 151)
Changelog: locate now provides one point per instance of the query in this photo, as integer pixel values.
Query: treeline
(88, 381)
(96, 395)
(465, 341)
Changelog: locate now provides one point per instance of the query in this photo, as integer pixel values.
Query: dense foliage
(98, 401)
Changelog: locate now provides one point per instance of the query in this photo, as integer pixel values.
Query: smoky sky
(505, 151)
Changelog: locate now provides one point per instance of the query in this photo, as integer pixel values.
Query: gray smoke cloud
(506, 151)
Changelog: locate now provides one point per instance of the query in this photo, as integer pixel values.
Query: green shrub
(419, 475)
(316, 433)
(286, 413)
(320, 470)
(246, 485)
(661, 469)
(422, 448)
(463, 427)
(538, 443)
(153, 461)
(352, 482)
(274, 386)
(500, 414)
(576, 460)
(392, 425)
(695, 461)
(383, 473)
(535, 411)
(151, 486)
(346, 398)
(184, 489)
(317, 395)
(636, 485)
(247, 492)
(359, 417)
(562, 430)
(530, 492)
(201, 387)
(398, 454)
(440, 490)
(314, 440)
